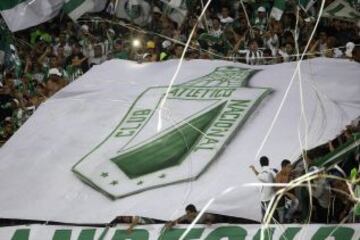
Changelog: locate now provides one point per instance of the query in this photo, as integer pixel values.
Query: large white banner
(117, 141)
(200, 232)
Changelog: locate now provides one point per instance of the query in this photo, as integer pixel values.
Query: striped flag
(22, 14)
(76, 8)
(278, 9)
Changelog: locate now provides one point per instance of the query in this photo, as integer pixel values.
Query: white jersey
(253, 57)
(266, 175)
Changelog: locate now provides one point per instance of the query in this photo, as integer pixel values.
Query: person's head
(331, 42)
(288, 37)
(75, 59)
(150, 45)
(62, 38)
(267, 56)
(289, 48)
(54, 78)
(54, 73)
(261, 11)
(216, 23)
(76, 48)
(264, 161)
(98, 51)
(322, 37)
(225, 12)
(84, 29)
(166, 45)
(118, 45)
(277, 27)
(253, 45)
(285, 164)
(8, 126)
(9, 80)
(178, 50)
(54, 63)
(190, 210)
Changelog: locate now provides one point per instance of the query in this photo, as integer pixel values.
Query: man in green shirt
(120, 50)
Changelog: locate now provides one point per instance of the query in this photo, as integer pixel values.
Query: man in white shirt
(266, 175)
(261, 18)
(224, 16)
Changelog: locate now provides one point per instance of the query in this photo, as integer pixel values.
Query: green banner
(200, 232)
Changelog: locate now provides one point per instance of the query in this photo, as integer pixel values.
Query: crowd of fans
(333, 171)
(43, 59)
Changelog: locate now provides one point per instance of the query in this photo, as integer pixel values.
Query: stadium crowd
(41, 60)
(333, 172)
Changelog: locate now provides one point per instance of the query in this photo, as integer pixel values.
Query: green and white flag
(342, 10)
(306, 5)
(214, 118)
(136, 11)
(22, 14)
(278, 9)
(176, 10)
(138, 155)
(76, 8)
(280, 5)
(198, 231)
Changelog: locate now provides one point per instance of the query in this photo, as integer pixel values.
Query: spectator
(150, 55)
(321, 197)
(253, 55)
(191, 214)
(133, 221)
(165, 50)
(215, 29)
(271, 41)
(320, 45)
(178, 50)
(266, 175)
(224, 16)
(288, 203)
(342, 200)
(261, 20)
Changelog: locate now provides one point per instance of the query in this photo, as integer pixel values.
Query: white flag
(176, 10)
(24, 14)
(76, 8)
(136, 11)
